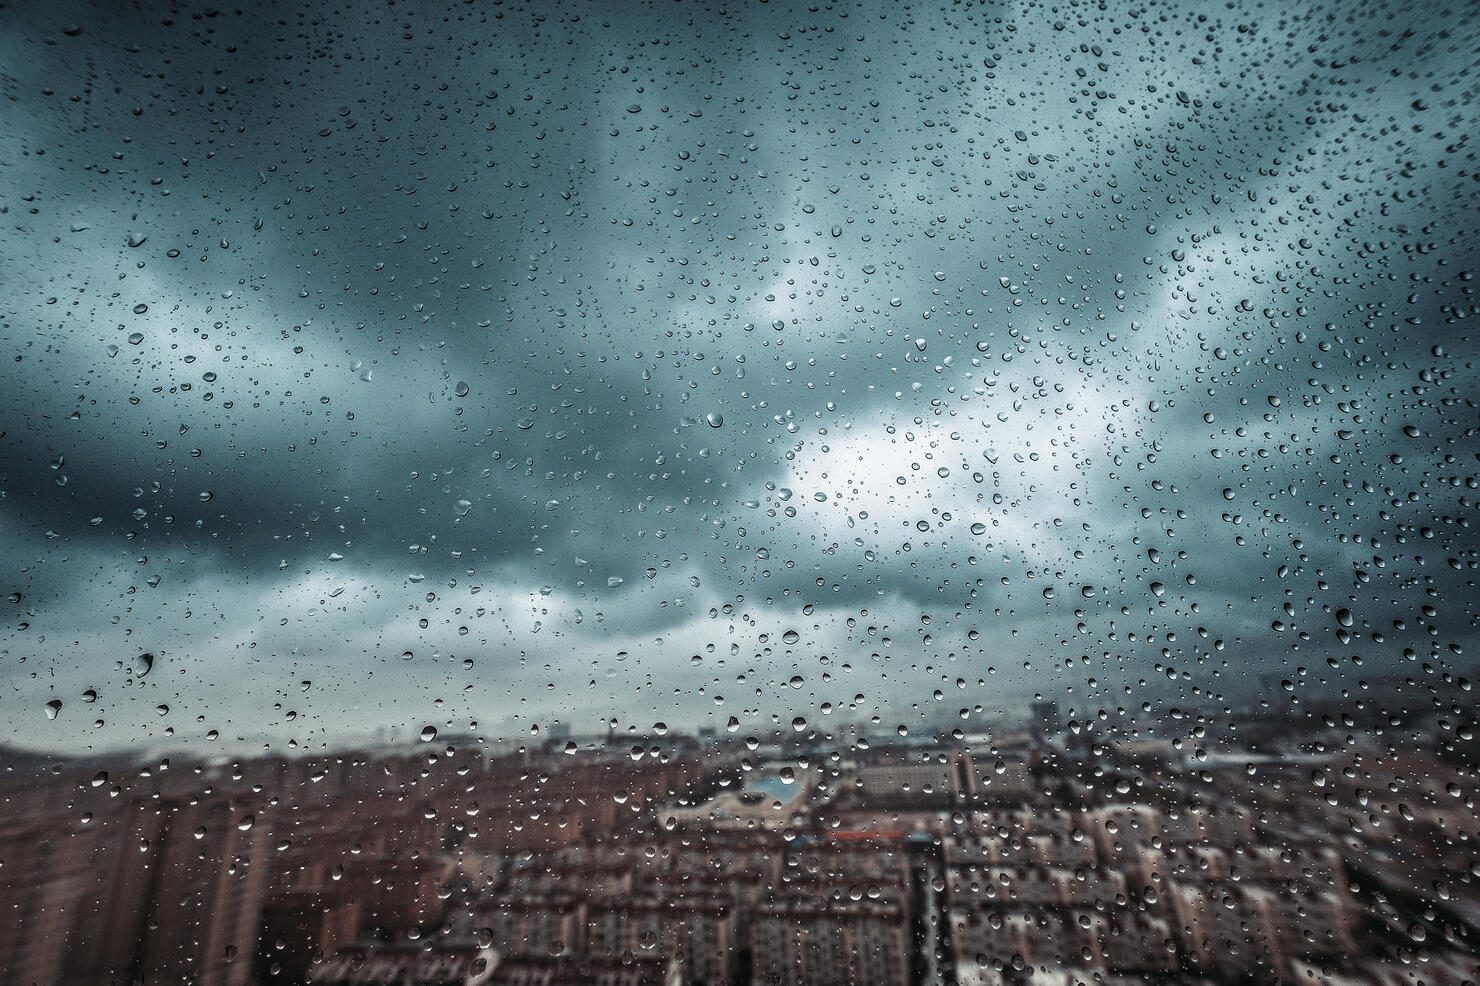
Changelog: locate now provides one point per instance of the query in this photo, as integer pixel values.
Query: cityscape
(685, 493)
(1315, 848)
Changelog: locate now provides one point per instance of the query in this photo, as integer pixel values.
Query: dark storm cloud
(600, 346)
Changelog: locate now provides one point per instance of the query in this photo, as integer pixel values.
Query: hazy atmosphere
(484, 366)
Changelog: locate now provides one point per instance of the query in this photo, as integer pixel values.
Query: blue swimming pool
(772, 785)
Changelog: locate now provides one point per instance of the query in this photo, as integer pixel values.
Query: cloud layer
(408, 364)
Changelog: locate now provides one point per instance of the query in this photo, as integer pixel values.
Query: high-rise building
(41, 884)
(114, 903)
(206, 898)
(1045, 723)
(810, 942)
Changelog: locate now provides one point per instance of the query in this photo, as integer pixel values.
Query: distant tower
(1046, 724)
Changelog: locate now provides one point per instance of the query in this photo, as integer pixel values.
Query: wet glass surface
(447, 451)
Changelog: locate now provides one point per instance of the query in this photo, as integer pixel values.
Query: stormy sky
(383, 365)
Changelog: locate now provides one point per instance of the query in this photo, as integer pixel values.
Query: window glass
(775, 493)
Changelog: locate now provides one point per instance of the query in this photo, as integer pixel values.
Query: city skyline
(1029, 858)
